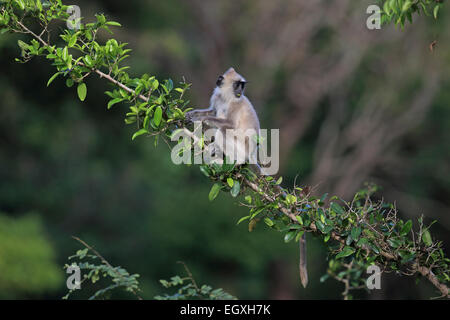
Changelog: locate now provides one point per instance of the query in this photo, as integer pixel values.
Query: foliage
(81, 55)
(400, 11)
(191, 291)
(358, 233)
(122, 279)
(119, 277)
(27, 264)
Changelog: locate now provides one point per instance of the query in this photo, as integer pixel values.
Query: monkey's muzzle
(239, 87)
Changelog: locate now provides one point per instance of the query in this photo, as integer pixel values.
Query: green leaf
(230, 182)
(204, 170)
(424, 8)
(65, 54)
(72, 41)
(155, 84)
(52, 78)
(426, 238)
(88, 61)
(435, 11)
(345, 252)
(409, 16)
(406, 5)
(82, 91)
(100, 18)
(268, 221)
(299, 235)
(243, 219)
(113, 102)
(394, 243)
(374, 248)
(362, 242)
(113, 23)
(256, 211)
(21, 4)
(235, 189)
(406, 255)
(280, 179)
(291, 199)
(169, 84)
(157, 116)
(289, 236)
(356, 232)
(324, 278)
(406, 228)
(139, 133)
(337, 208)
(320, 226)
(69, 82)
(39, 5)
(22, 45)
(214, 192)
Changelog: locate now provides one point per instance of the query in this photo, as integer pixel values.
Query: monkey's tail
(302, 242)
(302, 263)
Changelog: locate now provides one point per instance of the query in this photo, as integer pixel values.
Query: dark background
(352, 105)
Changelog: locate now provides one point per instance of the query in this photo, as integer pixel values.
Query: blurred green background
(353, 105)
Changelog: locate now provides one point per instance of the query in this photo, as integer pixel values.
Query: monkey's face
(231, 84)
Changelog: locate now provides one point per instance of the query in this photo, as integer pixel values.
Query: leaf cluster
(187, 289)
(93, 267)
(400, 11)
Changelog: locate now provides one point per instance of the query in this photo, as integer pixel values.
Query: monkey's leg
(235, 150)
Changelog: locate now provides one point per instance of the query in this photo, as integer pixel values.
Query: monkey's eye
(238, 84)
(219, 81)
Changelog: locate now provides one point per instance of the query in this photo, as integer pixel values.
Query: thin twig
(191, 277)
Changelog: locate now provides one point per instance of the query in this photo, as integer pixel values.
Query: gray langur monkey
(234, 117)
(230, 109)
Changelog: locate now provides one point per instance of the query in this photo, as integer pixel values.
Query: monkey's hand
(190, 116)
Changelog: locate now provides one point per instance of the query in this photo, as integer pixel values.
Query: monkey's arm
(199, 114)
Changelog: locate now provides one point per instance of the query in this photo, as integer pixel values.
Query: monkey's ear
(219, 81)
